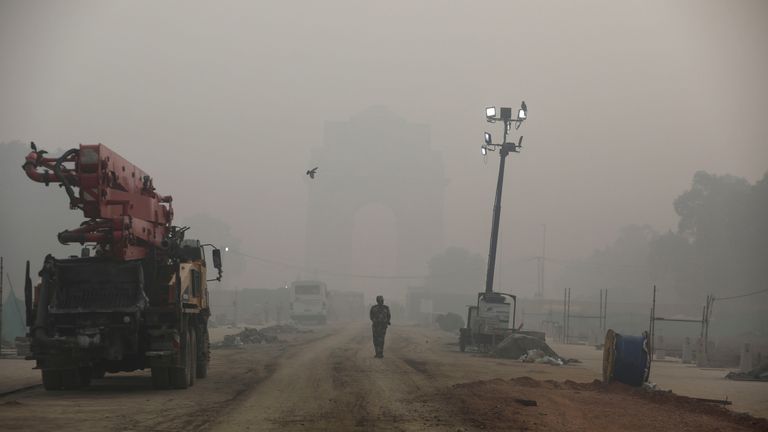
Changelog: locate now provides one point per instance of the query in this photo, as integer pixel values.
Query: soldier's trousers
(379, 332)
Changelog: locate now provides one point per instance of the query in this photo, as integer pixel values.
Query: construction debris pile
(248, 336)
(527, 349)
(538, 356)
(252, 335)
(759, 373)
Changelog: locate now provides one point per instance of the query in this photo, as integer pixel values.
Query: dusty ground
(329, 380)
(570, 406)
(687, 380)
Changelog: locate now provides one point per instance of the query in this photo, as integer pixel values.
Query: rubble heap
(518, 346)
(249, 336)
(759, 373)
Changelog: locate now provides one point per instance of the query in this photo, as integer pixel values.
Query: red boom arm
(126, 217)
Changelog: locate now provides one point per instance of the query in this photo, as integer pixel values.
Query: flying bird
(311, 173)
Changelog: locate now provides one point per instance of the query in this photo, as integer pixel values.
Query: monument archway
(374, 158)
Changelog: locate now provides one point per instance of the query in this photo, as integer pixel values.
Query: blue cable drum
(626, 359)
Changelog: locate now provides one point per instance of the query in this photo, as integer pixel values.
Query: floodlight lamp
(522, 114)
(490, 112)
(484, 150)
(226, 248)
(487, 138)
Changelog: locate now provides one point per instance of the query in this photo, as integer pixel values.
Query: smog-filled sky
(225, 103)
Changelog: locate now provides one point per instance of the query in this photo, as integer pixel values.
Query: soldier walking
(380, 318)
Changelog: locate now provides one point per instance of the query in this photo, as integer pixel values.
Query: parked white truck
(309, 302)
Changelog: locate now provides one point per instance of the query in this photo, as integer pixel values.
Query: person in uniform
(380, 320)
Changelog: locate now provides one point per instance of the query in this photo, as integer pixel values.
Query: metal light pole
(504, 148)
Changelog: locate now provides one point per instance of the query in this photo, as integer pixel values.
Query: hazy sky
(223, 101)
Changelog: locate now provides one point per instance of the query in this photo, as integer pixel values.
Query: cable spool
(626, 359)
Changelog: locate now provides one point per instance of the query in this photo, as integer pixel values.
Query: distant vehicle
(309, 302)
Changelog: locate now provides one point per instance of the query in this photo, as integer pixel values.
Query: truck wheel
(203, 354)
(161, 379)
(193, 357)
(70, 379)
(51, 379)
(181, 375)
(98, 373)
(464, 339)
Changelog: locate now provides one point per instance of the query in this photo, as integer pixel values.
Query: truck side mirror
(217, 258)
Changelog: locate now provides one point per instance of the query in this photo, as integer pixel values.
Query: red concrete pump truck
(139, 301)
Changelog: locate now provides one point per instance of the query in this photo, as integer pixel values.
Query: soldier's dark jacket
(380, 315)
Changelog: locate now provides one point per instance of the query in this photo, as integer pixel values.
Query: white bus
(309, 302)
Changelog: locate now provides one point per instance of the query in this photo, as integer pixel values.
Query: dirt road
(329, 380)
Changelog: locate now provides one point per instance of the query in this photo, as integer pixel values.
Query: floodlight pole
(503, 152)
(504, 149)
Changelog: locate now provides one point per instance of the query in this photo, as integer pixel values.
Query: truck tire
(203, 353)
(193, 357)
(161, 379)
(98, 373)
(51, 379)
(182, 376)
(70, 379)
(463, 339)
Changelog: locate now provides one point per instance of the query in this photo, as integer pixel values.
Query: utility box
(490, 321)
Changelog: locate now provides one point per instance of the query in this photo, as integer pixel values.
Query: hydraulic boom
(126, 217)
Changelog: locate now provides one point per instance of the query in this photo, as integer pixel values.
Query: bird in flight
(311, 173)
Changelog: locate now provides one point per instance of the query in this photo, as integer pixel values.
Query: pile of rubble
(759, 373)
(527, 349)
(251, 335)
(248, 336)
